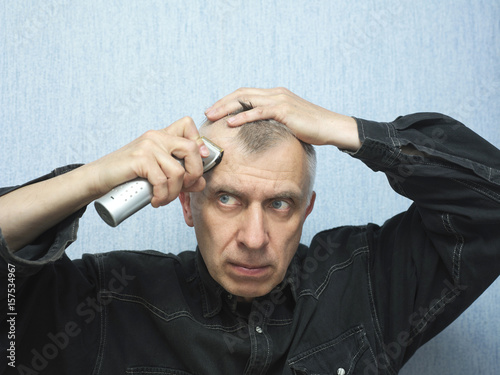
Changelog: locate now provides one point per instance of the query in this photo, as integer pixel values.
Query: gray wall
(80, 79)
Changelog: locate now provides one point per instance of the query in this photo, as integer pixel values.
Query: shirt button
(340, 371)
(258, 329)
(229, 296)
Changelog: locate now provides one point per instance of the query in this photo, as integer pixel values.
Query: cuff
(49, 246)
(380, 146)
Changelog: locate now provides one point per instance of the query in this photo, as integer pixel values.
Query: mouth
(249, 271)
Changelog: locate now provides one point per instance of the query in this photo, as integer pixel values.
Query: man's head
(248, 220)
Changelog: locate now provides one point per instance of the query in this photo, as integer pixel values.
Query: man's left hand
(309, 122)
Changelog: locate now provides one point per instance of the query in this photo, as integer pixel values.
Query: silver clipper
(128, 198)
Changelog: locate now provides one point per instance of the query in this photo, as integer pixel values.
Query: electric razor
(128, 198)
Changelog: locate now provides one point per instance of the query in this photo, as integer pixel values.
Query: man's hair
(259, 136)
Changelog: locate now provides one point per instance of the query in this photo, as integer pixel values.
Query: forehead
(273, 172)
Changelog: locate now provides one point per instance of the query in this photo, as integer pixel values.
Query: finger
(199, 185)
(193, 166)
(204, 151)
(191, 171)
(190, 153)
(186, 128)
(169, 186)
(158, 180)
(276, 99)
(256, 114)
(231, 103)
(163, 147)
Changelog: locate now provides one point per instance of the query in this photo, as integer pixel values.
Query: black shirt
(357, 300)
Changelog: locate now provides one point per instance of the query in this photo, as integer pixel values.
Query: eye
(280, 205)
(227, 199)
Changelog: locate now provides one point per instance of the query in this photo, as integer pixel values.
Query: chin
(247, 294)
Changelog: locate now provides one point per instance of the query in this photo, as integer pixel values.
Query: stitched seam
(268, 355)
(362, 128)
(280, 320)
(394, 138)
(104, 319)
(275, 322)
(169, 317)
(477, 188)
(430, 314)
(206, 307)
(362, 349)
(378, 330)
(396, 144)
(102, 341)
(253, 354)
(320, 348)
(338, 267)
(253, 345)
(281, 324)
(457, 251)
(371, 352)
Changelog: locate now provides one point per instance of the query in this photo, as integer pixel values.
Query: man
(251, 299)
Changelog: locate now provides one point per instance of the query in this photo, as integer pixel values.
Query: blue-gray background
(79, 79)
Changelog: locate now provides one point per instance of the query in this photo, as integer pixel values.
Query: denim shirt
(357, 300)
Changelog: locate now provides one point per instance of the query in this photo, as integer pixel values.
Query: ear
(185, 199)
(311, 204)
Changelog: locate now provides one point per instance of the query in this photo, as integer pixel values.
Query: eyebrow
(285, 194)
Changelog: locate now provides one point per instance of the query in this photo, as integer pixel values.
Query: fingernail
(231, 120)
(204, 151)
(210, 112)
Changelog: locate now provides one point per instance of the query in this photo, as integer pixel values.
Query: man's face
(248, 220)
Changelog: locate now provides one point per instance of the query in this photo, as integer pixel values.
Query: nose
(253, 232)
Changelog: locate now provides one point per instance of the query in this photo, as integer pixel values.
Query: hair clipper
(129, 197)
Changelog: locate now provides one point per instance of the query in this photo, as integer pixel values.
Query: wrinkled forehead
(281, 167)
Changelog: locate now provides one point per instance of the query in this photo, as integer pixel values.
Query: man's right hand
(31, 210)
(152, 156)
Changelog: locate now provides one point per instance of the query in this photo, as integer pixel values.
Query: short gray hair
(259, 136)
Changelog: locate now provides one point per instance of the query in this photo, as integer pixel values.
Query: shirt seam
(102, 336)
(457, 250)
(165, 316)
(374, 316)
(339, 266)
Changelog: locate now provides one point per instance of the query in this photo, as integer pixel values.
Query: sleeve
(47, 302)
(430, 263)
(49, 246)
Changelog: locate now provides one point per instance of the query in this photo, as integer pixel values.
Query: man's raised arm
(428, 264)
(29, 211)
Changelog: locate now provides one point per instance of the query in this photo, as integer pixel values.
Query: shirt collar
(213, 295)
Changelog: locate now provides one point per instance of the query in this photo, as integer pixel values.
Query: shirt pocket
(145, 370)
(346, 354)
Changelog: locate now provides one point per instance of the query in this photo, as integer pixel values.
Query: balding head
(258, 137)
